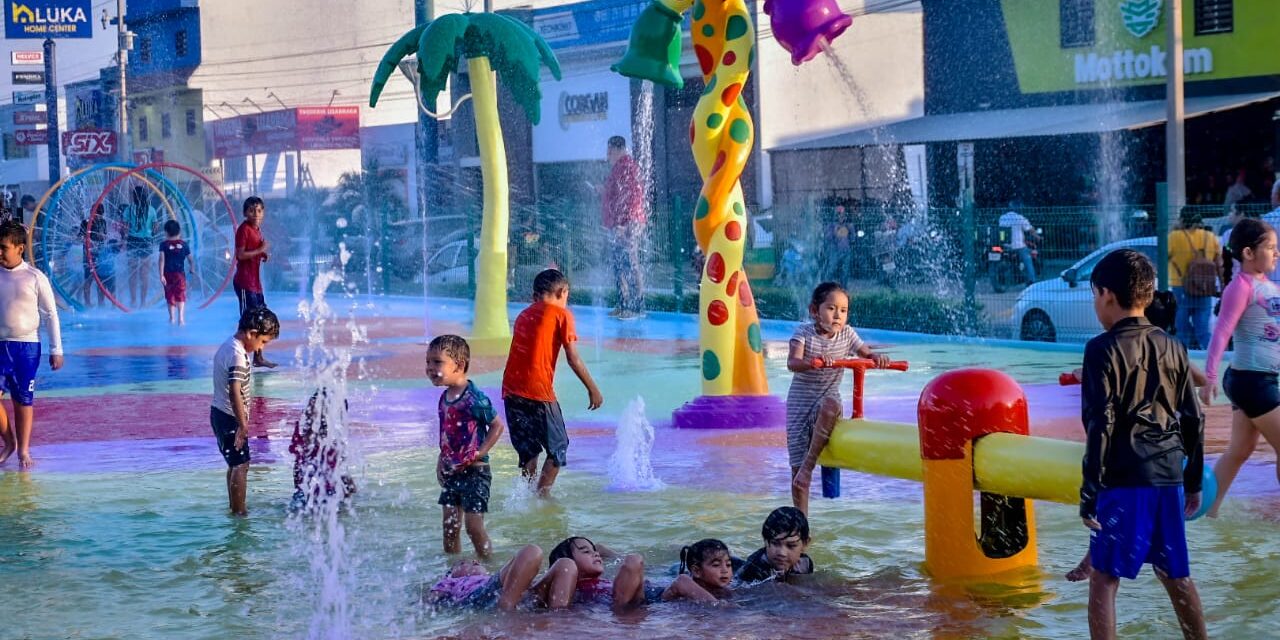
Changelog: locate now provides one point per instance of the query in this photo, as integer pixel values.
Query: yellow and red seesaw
(973, 435)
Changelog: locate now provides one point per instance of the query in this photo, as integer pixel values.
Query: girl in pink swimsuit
(578, 558)
(1250, 315)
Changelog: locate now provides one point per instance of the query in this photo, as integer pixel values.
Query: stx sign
(89, 143)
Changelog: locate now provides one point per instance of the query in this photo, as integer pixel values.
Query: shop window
(1076, 18)
(13, 150)
(180, 43)
(143, 134)
(144, 50)
(191, 122)
(1214, 16)
(166, 126)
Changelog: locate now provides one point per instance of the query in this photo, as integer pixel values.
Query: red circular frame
(93, 215)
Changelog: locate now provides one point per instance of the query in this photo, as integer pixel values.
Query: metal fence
(906, 269)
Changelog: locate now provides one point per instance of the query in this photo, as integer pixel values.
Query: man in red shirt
(624, 222)
(251, 252)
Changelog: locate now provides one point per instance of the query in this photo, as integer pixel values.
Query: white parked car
(1061, 309)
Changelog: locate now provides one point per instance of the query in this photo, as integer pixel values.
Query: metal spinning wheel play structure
(81, 234)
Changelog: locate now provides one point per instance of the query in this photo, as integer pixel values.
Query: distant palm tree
(489, 42)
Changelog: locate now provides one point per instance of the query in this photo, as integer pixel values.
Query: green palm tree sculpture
(489, 42)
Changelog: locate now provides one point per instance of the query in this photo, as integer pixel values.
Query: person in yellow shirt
(1193, 285)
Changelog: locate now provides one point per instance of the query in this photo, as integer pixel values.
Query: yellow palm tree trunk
(490, 327)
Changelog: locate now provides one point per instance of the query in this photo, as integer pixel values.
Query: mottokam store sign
(1128, 45)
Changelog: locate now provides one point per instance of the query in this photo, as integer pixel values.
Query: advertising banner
(305, 128)
(28, 97)
(328, 127)
(48, 19)
(269, 132)
(19, 58)
(30, 117)
(31, 136)
(28, 77)
(89, 144)
(1122, 43)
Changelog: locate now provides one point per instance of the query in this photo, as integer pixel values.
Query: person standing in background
(624, 221)
(251, 252)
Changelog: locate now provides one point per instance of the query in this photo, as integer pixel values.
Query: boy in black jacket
(1142, 420)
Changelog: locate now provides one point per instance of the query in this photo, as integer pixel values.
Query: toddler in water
(469, 427)
(576, 561)
(710, 564)
(469, 584)
(813, 402)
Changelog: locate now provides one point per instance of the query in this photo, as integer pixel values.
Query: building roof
(1024, 123)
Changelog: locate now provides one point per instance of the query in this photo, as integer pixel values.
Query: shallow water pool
(122, 532)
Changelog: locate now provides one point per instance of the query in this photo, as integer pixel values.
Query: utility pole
(427, 148)
(51, 109)
(1175, 142)
(124, 42)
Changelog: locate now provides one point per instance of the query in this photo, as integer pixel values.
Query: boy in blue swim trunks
(26, 302)
(1142, 420)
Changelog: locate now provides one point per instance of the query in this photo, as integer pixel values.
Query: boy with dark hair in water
(1142, 420)
(175, 255)
(533, 413)
(469, 428)
(786, 537)
(26, 302)
(232, 390)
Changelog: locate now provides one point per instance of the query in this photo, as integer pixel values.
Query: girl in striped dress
(813, 402)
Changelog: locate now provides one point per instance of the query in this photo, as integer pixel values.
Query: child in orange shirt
(533, 414)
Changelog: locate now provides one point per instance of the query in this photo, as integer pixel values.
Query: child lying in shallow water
(576, 561)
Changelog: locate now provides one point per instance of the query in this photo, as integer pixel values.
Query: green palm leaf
(514, 50)
(438, 51)
(401, 48)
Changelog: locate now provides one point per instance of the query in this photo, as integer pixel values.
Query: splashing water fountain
(630, 467)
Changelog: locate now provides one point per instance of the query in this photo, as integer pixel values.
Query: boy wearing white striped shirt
(229, 412)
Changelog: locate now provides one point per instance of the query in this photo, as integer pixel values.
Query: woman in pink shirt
(1250, 315)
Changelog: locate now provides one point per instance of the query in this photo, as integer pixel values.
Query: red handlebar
(860, 363)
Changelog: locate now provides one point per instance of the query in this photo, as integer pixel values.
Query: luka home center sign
(47, 19)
